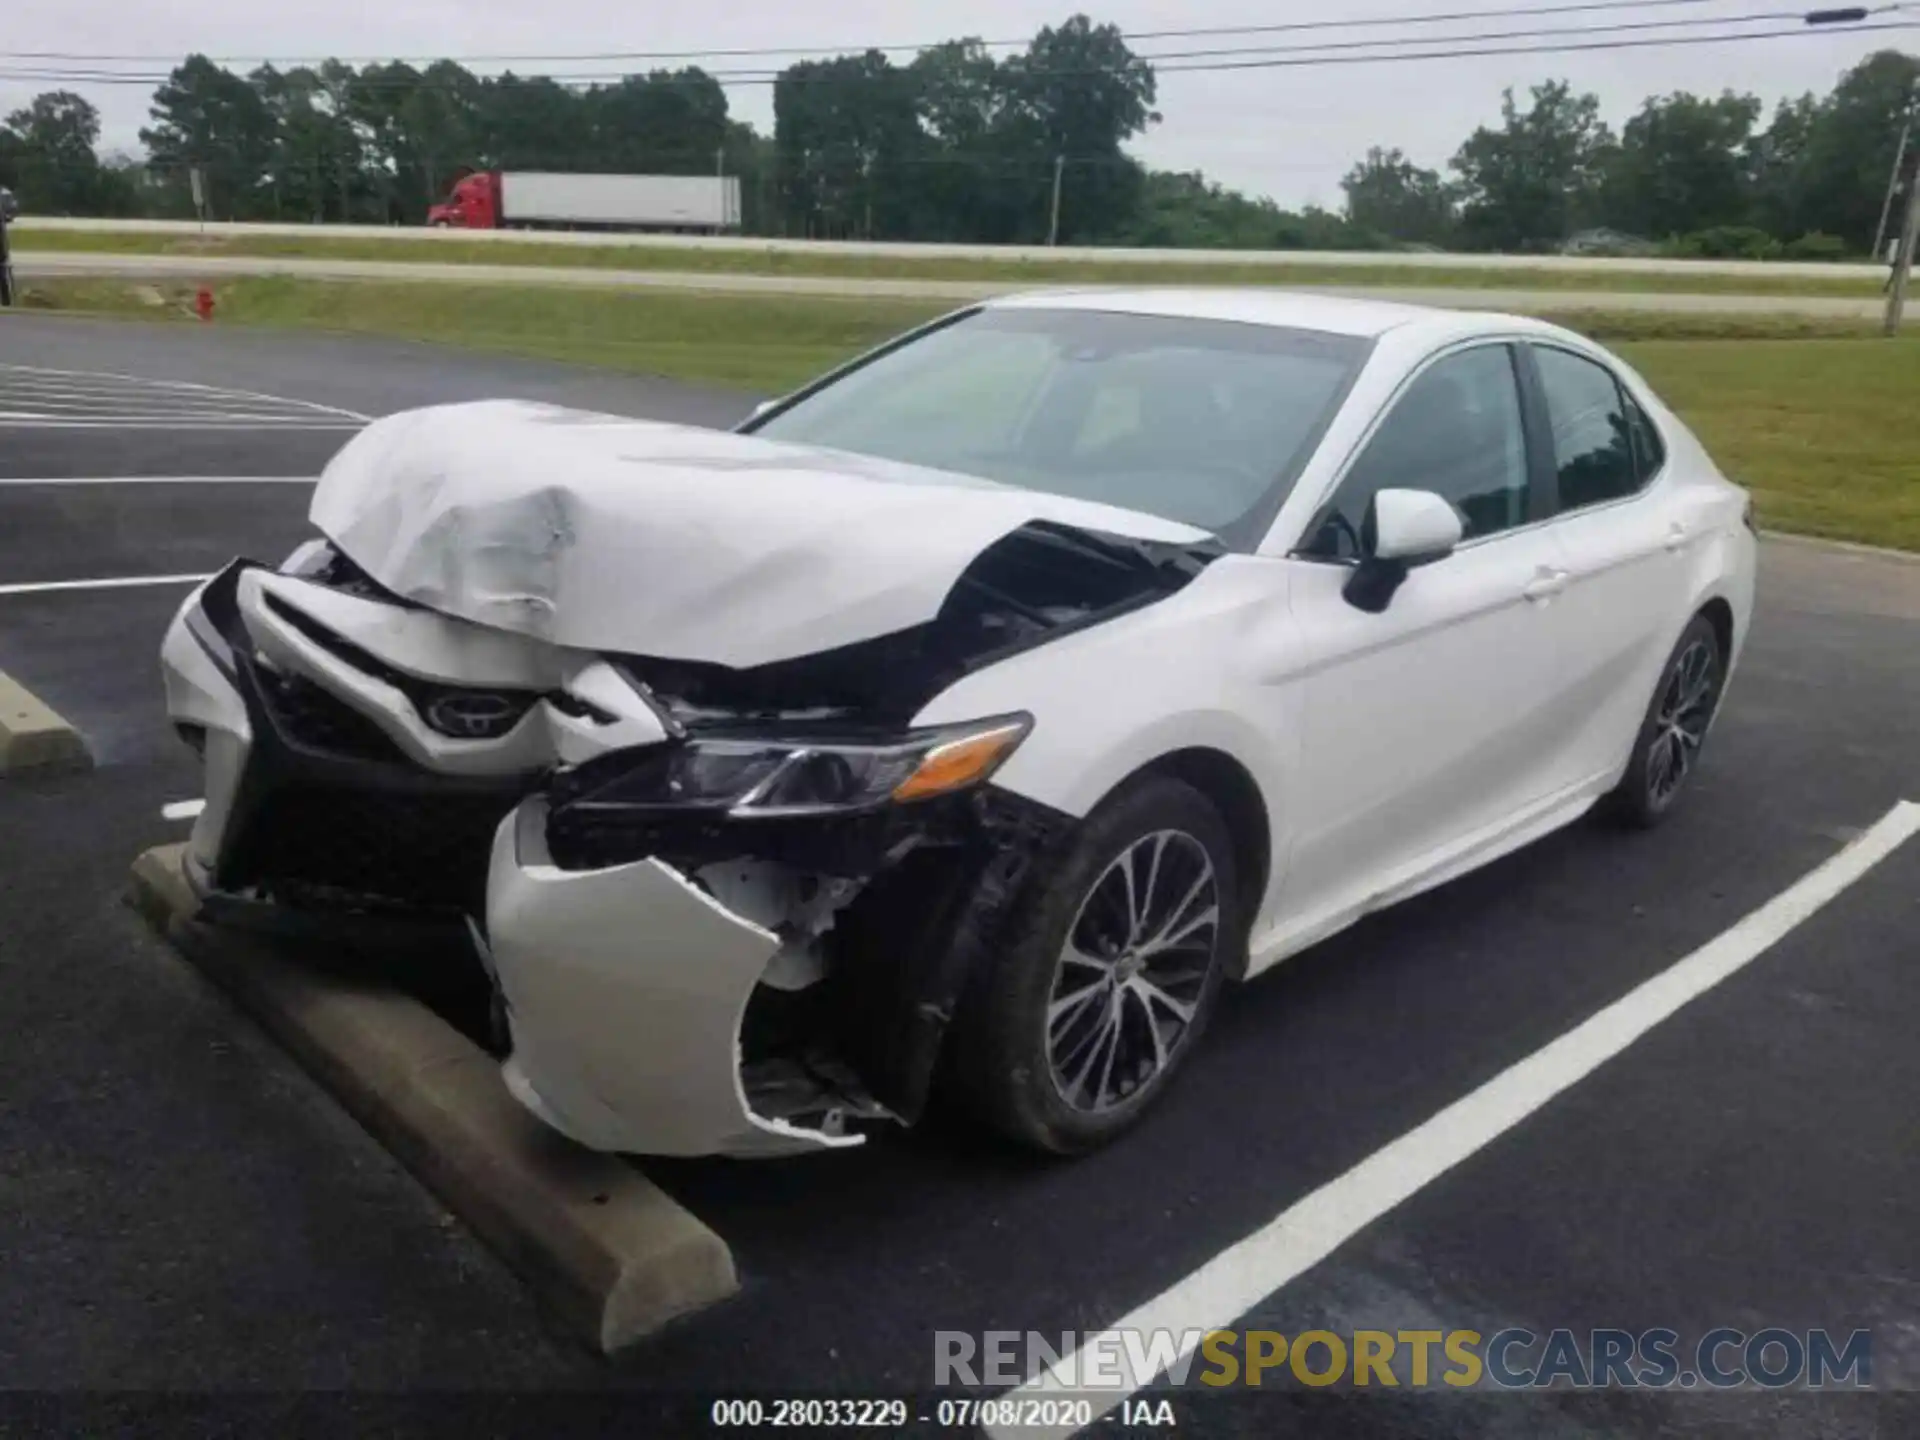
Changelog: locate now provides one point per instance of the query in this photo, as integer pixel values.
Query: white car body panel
(1426, 724)
(1494, 699)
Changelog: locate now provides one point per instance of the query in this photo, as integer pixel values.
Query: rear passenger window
(1456, 431)
(1649, 451)
(1593, 437)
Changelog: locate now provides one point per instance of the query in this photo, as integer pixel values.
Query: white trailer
(638, 202)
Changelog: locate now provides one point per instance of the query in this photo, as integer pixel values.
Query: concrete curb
(33, 736)
(1842, 547)
(606, 1250)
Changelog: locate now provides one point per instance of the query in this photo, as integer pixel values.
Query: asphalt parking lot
(182, 1210)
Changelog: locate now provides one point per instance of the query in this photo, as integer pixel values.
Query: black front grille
(313, 717)
(348, 846)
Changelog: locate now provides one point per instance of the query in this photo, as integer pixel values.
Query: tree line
(960, 144)
(1701, 173)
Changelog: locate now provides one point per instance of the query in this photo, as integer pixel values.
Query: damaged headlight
(768, 777)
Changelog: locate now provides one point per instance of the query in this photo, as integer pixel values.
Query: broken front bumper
(625, 986)
(634, 997)
(625, 990)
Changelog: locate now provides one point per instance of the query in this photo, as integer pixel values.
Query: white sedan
(970, 716)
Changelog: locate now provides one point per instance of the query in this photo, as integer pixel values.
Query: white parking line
(1240, 1277)
(169, 423)
(32, 374)
(158, 480)
(182, 810)
(134, 422)
(123, 582)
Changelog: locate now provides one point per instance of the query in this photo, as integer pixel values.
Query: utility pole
(1053, 224)
(1903, 267)
(1893, 186)
(1853, 15)
(6, 254)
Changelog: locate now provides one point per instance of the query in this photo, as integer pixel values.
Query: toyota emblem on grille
(473, 714)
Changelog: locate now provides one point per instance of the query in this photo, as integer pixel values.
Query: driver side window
(1456, 431)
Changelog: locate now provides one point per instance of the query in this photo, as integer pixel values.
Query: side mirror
(1403, 528)
(1416, 526)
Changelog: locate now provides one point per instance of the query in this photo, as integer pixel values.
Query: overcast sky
(1288, 133)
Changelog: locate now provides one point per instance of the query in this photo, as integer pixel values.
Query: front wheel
(1108, 974)
(1675, 728)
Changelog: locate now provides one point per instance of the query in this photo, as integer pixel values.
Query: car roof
(1263, 305)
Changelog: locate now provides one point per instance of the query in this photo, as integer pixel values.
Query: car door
(1430, 726)
(1625, 549)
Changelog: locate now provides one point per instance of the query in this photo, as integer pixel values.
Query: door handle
(1545, 585)
(1676, 536)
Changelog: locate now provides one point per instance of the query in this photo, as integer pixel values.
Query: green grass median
(1815, 416)
(691, 259)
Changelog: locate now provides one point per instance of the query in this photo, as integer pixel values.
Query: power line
(1317, 53)
(1325, 45)
(1519, 50)
(724, 53)
(1286, 58)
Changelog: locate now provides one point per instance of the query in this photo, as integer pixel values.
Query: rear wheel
(1110, 970)
(1675, 728)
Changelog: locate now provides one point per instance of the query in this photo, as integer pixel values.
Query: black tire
(1001, 1066)
(1674, 730)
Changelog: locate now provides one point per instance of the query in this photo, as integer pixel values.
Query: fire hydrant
(203, 303)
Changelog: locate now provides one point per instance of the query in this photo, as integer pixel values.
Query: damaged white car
(970, 716)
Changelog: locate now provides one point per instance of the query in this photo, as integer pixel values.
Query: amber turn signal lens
(960, 763)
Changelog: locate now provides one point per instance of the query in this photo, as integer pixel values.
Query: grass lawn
(1825, 433)
(615, 256)
(1818, 418)
(764, 343)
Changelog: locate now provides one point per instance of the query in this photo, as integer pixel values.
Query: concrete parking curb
(605, 1249)
(32, 734)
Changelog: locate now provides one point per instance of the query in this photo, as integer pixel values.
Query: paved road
(179, 1207)
(33, 225)
(50, 265)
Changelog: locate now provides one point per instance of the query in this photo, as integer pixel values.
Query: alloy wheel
(1132, 972)
(1680, 724)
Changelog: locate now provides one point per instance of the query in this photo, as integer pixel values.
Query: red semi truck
(533, 199)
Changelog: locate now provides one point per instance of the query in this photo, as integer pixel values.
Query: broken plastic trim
(926, 926)
(460, 712)
(215, 620)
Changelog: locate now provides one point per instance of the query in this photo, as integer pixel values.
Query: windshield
(1207, 422)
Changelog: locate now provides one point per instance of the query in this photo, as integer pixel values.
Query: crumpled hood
(603, 533)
